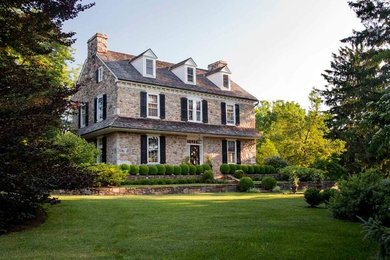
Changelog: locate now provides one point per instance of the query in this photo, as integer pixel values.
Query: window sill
(153, 117)
(192, 121)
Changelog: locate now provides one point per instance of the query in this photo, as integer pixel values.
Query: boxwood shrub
(161, 169)
(143, 169)
(268, 183)
(208, 176)
(257, 169)
(134, 169)
(125, 167)
(206, 167)
(199, 169)
(233, 168)
(185, 169)
(169, 169)
(244, 168)
(239, 174)
(192, 169)
(313, 197)
(245, 184)
(153, 169)
(225, 168)
(251, 169)
(176, 170)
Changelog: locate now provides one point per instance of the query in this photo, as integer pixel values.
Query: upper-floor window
(153, 149)
(225, 81)
(83, 115)
(99, 108)
(190, 74)
(230, 114)
(194, 110)
(100, 74)
(231, 152)
(149, 67)
(153, 106)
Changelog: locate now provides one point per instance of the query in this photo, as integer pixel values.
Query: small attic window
(226, 81)
(190, 75)
(149, 67)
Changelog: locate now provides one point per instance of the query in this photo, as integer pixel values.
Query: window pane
(230, 114)
(153, 149)
(226, 81)
(190, 109)
(231, 152)
(149, 67)
(152, 105)
(190, 74)
(83, 112)
(198, 107)
(100, 108)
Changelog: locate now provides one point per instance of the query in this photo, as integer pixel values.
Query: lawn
(203, 226)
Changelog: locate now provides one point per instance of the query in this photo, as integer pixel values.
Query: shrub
(365, 195)
(245, 184)
(176, 170)
(233, 168)
(257, 169)
(238, 166)
(251, 169)
(185, 169)
(268, 169)
(143, 169)
(125, 167)
(327, 194)
(192, 169)
(134, 169)
(153, 169)
(268, 183)
(169, 169)
(379, 233)
(277, 162)
(161, 169)
(276, 189)
(313, 197)
(107, 174)
(206, 167)
(262, 169)
(208, 176)
(225, 168)
(244, 168)
(294, 180)
(303, 173)
(238, 174)
(199, 169)
(333, 170)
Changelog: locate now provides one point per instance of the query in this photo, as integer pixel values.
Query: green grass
(204, 226)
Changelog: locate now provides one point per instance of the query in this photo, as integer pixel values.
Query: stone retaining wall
(151, 190)
(276, 176)
(304, 185)
(159, 177)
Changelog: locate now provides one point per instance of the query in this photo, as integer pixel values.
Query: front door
(194, 154)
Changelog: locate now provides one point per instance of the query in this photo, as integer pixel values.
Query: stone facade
(123, 100)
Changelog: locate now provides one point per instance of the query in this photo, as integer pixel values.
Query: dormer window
(226, 82)
(149, 67)
(190, 75)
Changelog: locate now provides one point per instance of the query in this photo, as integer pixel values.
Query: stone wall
(305, 185)
(276, 176)
(160, 177)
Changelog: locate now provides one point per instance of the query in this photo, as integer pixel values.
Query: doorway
(195, 154)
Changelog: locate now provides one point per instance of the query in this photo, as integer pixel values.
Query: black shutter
(162, 150)
(86, 113)
(104, 106)
(95, 110)
(162, 106)
(184, 109)
(224, 151)
(223, 113)
(79, 117)
(237, 114)
(104, 149)
(144, 149)
(205, 111)
(97, 76)
(143, 103)
(238, 147)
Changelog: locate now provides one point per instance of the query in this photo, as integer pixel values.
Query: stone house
(140, 110)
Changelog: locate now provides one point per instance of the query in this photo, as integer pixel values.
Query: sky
(276, 49)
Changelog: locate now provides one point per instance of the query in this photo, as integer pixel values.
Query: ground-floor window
(231, 152)
(99, 146)
(153, 149)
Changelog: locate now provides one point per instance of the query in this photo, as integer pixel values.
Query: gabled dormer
(186, 71)
(145, 63)
(219, 73)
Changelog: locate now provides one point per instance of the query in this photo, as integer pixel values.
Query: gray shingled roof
(171, 127)
(119, 64)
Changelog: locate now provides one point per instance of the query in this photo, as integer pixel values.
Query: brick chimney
(97, 43)
(216, 65)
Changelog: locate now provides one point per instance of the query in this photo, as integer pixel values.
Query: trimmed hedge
(245, 184)
(185, 169)
(125, 167)
(199, 169)
(239, 174)
(176, 170)
(247, 169)
(192, 169)
(143, 170)
(208, 176)
(225, 168)
(169, 169)
(134, 169)
(152, 169)
(268, 183)
(161, 169)
(206, 167)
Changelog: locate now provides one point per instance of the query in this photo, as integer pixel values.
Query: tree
(34, 91)
(296, 135)
(358, 78)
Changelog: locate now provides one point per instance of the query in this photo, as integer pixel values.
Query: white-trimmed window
(149, 69)
(153, 105)
(99, 147)
(100, 74)
(153, 149)
(230, 114)
(194, 110)
(99, 108)
(231, 152)
(190, 75)
(83, 115)
(226, 81)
